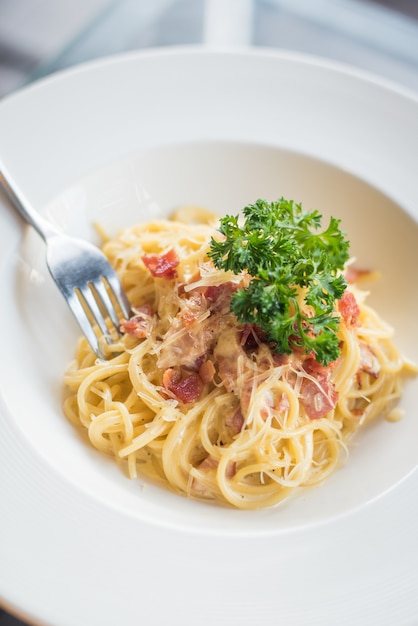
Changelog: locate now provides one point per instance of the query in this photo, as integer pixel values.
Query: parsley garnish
(291, 265)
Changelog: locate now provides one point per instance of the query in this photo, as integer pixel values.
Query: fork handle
(22, 206)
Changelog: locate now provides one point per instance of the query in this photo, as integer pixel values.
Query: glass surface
(361, 33)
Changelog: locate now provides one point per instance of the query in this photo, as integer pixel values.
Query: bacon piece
(162, 265)
(139, 325)
(207, 465)
(187, 389)
(235, 421)
(354, 274)
(248, 338)
(311, 366)
(211, 463)
(318, 394)
(219, 296)
(195, 365)
(369, 363)
(231, 469)
(252, 336)
(280, 404)
(283, 403)
(143, 309)
(188, 318)
(207, 372)
(349, 309)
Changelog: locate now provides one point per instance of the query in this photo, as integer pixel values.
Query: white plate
(133, 137)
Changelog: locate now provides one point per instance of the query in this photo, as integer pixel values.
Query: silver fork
(81, 271)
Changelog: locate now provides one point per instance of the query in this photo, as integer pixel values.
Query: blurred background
(40, 37)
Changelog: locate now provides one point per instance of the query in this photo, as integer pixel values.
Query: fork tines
(98, 307)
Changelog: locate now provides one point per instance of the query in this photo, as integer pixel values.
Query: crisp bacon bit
(311, 366)
(318, 395)
(207, 372)
(162, 265)
(170, 376)
(136, 326)
(280, 359)
(283, 404)
(210, 463)
(231, 469)
(219, 296)
(187, 389)
(252, 336)
(369, 363)
(188, 318)
(139, 325)
(349, 309)
(280, 404)
(356, 274)
(235, 421)
(143, 309)
(247, 336)
(195, 365)
(207, 465)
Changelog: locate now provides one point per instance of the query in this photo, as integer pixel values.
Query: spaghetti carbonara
(193, 399)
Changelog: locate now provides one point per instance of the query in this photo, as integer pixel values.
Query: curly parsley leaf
(295, 274)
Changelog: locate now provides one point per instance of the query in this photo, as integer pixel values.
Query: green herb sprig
(291, 264)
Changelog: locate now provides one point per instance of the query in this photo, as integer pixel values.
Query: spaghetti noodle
(193, 399)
